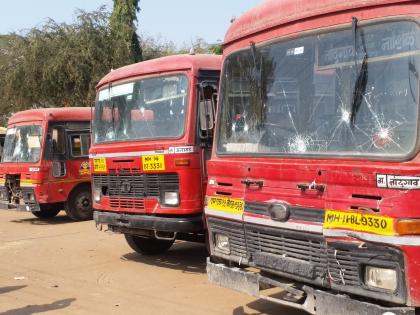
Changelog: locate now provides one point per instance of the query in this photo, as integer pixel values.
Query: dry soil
(64, 267)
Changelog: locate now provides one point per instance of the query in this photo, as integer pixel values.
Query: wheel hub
(83, 203)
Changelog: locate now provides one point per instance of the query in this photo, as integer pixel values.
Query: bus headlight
(381, 278)
(222, 243)
(97, 194)
(171, 198)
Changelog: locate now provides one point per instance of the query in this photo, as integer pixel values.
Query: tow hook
(167, 236)
(123, 222)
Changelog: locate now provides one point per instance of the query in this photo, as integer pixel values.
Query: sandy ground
(63, 267)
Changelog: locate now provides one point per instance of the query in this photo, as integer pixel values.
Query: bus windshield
(339, 93)
(152, 108)
(23, 144)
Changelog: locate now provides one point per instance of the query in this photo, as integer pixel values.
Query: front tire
(79, 205)
(148, 246)
(46, 212)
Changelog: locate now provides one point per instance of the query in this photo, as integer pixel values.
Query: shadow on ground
(60, 219)
(33, 309)
(185, 256)
(11, 288)
(265, 307)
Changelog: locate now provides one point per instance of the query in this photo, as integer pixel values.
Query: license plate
(153, 163)
(230, 205)
(359, 222)
(99, 165)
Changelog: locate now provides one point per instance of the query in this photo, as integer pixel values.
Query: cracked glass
(315, 96)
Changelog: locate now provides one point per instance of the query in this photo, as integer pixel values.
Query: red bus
(152, 136)
(314, 179)
(45, 163)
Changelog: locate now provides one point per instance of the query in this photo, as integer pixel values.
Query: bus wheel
(79, 205)
(46, 212)
(148, 246)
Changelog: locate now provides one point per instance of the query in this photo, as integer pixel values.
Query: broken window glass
(296, 97)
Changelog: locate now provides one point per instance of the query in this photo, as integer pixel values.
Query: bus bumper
(190, 224)
(304, 297)
(4, 205)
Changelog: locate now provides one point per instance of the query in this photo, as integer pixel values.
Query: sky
(180, 21)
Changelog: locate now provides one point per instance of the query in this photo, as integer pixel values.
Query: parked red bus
(152, 136)
(45, 163)
(314, 179)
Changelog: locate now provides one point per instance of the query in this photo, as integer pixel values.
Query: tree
(60, 64)
(56, 64)
(200, 46)
(216, 49)
(126, 42)
(156, 47)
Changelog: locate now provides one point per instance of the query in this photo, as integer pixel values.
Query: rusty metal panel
(273, 13)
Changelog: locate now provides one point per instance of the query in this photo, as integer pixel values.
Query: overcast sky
(181, 21)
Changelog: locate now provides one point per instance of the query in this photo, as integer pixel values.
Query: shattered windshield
(151, 108)
(315, 96)
(22, 144)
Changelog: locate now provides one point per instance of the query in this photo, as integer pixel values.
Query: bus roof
(164, 64)
(273, 13)
(59, 114)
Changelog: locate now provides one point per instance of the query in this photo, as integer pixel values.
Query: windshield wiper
(113, 117)
(112, 111)
(362, 76)
(259, 74)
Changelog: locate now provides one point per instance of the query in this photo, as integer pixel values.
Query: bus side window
(80, 145)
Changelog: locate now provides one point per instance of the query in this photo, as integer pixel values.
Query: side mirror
(59, 169)
(206, 109)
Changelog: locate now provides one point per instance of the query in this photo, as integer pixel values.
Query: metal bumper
(305, 298)
(4, 205)
(192, 224)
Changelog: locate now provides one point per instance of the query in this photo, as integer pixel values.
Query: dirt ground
(63, 267)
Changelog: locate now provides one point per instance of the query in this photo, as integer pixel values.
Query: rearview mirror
(206, 115)
(59, 169)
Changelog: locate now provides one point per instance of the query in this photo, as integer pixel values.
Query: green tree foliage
(60, 64)
(56, 64)
(216, 49)
(156, 47)
(4, 42)
(126, 46)
(200, 46)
